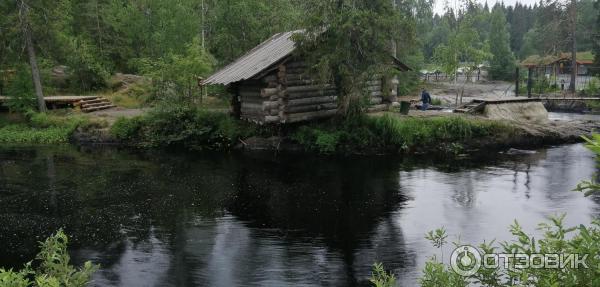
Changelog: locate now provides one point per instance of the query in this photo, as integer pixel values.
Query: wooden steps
(95, 104)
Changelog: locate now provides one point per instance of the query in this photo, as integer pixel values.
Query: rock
(514, 151)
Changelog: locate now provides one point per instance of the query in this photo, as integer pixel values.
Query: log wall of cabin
(287, 95)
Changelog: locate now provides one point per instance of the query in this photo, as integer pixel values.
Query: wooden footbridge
(86, 103)
(478, 105)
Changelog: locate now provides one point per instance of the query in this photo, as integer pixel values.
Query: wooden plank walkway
(60, 99)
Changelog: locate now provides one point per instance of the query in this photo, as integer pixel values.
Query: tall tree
(35, 71)
(337, 44)
(502, 63)
(596, 40)
(464, 46)
(573, 24)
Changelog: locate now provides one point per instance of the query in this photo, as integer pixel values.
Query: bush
(41, 128)
(557, 239)
(21, 96)
(368, 134)
(381, 278)
(126, 129)
(188, 127)
(436, 102)
(53, 268)
(174, 77)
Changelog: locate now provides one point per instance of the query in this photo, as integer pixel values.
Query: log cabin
(271, 85)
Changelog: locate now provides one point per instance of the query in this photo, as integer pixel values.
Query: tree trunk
(35, 71)
(572, 87)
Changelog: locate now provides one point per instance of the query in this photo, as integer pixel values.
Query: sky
(439, 4)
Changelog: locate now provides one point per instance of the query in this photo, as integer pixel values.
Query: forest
(175, 42)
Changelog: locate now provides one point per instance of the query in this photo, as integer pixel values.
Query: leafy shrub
(53, 268)
(21, 96)
(591, 186)
(322, 141)
(381, 278)
(436, 101)
(593, 87)
(174, 77)
(86, 71)
(557, 239)
(184, 126)
(126, 129)
(393, 133)
(41, 128)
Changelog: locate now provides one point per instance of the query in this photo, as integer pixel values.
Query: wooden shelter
(272, 85)
(561, 63)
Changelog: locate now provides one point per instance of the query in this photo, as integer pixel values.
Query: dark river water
(180, 219)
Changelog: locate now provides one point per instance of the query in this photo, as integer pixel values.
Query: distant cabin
(561, 64)
(271, 85)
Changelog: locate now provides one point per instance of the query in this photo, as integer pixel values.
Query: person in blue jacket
(425, 99)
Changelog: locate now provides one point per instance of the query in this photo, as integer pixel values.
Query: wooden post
(529, 81)
(517, 82)
(572, 87)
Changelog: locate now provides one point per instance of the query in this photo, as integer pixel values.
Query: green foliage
(436, 274)
(86, 70)
(593, 87)
(53, 268)
(464, 45)
(41, 128)
(346, 53)
(324, 142)
(381, 278)
(436, 101)
(21, 96)
(437, 237)
(240, 25)
(593, 105)
(175, 77)
(596, 38)
(171, 126)
(591, 186)
(391, 133)
(556, 239)
(502, 63)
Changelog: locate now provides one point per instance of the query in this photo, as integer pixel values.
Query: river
(181, 219)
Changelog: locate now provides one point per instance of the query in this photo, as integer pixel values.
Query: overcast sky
(439, 4)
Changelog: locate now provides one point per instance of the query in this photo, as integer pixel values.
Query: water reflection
(228, 220)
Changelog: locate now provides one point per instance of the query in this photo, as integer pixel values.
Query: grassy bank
(186, 127)
(37, 128)
(199, 129)
(394, 134)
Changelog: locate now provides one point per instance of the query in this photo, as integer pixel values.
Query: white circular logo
(465, 260)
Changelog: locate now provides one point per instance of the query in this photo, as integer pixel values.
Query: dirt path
(111, 115)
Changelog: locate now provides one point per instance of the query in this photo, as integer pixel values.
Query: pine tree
(503, 60)
(596, 42)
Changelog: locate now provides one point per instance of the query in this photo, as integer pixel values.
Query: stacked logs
(287, 95)
(305, 98)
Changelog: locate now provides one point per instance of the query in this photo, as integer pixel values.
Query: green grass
(436, 101)
(396, 134)
(39, 128)
(188, 127)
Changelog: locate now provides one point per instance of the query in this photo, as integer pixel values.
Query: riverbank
(382, 133)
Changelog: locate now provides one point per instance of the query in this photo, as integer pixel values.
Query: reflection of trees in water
(329, 216)
(343, 202)
(99, 197)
